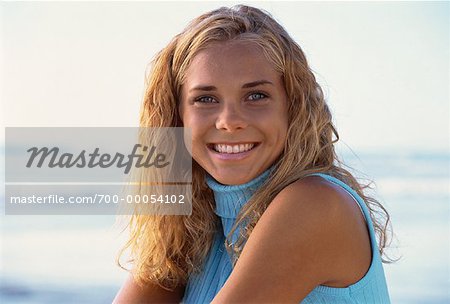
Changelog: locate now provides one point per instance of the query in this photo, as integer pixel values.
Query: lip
(232, 143)
(232, 156)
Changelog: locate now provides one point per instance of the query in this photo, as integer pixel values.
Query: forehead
(231, 60)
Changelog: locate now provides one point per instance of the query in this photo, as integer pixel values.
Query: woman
(275, 217)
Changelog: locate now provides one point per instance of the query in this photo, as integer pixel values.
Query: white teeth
(233, 148)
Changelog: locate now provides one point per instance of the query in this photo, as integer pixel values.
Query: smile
(233, 148)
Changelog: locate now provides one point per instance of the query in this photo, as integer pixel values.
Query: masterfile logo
(97, 171)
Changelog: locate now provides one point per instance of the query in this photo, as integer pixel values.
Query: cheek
(197, 131)
(282, 134)
(187, 118)
(195, 127)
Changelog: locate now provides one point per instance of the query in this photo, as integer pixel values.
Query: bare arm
(132, 293)
(311, 234)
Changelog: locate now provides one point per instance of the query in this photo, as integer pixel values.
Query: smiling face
(235, 104)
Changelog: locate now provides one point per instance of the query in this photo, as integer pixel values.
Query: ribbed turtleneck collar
(230, 199)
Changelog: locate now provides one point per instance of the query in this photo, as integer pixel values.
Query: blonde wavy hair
(167, 249)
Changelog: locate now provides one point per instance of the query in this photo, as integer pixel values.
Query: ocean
(72, 259)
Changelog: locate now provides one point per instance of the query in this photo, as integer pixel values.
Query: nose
(231, 118)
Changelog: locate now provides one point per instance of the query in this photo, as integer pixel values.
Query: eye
(257, 96)
(205, 99)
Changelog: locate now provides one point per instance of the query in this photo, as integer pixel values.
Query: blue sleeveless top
(203, 287)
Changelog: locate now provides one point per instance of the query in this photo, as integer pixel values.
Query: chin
(231, 179)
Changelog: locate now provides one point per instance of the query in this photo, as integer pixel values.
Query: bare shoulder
(315, 194)
(328, 216)
(311, 234)
(132, 293)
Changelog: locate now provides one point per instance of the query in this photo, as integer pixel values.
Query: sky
(384, 66)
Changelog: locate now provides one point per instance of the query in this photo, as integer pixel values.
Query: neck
(230, 199)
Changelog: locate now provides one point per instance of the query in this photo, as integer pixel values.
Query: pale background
(384, 67)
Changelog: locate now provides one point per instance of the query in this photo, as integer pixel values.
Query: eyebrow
(244, 86)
